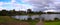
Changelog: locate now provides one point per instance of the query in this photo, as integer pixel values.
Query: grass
(31, 22)
(5, 19)
(52, 23)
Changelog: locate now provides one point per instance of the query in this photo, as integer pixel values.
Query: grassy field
(5, 19)
(52, 23)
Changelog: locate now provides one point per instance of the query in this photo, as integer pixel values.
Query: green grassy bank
(52, 23)
(5, 19)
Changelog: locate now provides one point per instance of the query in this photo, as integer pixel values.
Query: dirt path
(40, 23)
(15, 23)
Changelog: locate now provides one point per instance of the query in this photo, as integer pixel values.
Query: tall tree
(29, 10)
(3, 12)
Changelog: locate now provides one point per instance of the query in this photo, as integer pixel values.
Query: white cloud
(1, 8)
(50, 4)
(25, 0)
(14, 5)
(1, 3)
(33, 4)
(13, 1)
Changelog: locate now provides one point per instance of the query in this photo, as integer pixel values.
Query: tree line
(13, 12)
(29, 11)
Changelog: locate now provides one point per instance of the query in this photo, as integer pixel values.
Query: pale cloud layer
(44, 4)
(35, 5)
(13, 5)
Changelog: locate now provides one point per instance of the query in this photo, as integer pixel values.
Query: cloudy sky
(35, 5)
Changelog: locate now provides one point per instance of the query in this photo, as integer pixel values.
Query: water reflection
(45, 16)
(50, 16)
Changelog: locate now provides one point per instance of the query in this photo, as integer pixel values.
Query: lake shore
(7, 20)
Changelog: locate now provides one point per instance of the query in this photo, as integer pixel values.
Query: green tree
(29, 11)
(3, 12)
(13, 12)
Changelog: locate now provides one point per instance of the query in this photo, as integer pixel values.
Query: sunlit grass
(52, 23)
(4, 19)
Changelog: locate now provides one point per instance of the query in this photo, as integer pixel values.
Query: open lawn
(4, 19)
(52, 23)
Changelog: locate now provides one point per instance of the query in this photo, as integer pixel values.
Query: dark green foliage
(13, 12)
(56, 19)
(10, 13)
(3, 12)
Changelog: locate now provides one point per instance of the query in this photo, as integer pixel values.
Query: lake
(45, 16)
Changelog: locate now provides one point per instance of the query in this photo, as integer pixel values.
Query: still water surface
(45, 16)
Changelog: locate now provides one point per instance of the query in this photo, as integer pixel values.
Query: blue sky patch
(5, 0)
